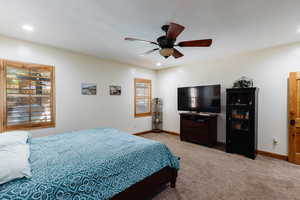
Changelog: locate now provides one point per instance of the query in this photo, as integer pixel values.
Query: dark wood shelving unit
(241, 121)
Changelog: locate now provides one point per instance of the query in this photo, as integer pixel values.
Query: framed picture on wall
(115, 90)
(88, 88)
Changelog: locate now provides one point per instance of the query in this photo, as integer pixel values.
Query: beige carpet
(210, 174)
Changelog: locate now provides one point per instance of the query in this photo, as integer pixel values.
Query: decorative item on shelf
(243, 82)
(157, 115)
(237, 114)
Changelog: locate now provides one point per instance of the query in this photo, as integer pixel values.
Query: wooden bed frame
(148, 186)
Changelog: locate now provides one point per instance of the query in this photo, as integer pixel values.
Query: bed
(92, 164)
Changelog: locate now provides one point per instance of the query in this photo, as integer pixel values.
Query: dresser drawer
(194, 123)
(194, 131)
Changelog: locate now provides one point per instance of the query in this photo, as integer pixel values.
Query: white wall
(73, 110)
(270, 70)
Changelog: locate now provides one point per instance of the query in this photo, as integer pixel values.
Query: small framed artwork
(115, 90)
(88, 88)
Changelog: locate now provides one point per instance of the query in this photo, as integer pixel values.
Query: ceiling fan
(166, 43)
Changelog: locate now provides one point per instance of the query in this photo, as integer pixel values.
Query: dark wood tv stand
(197, 128)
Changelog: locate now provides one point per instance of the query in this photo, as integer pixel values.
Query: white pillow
(14, 162)
(13, 138)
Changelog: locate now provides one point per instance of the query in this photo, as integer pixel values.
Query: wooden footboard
(149, 185)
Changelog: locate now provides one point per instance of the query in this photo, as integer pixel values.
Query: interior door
(294, 118)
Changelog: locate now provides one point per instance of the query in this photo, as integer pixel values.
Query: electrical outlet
(275, 141)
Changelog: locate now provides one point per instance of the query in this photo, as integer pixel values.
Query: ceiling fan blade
(174, 30)
(177, 54)
(140, 40)
(150, 51)
(196, 43)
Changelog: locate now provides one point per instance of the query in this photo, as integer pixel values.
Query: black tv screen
(200, 99)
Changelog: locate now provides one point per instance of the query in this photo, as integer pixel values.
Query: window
(27, 96)
(142, 97)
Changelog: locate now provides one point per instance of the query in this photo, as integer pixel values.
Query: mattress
(88, 164)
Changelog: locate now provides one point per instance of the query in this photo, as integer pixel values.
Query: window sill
(142, 115)
(30, 127)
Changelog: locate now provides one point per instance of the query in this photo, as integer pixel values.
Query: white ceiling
(98, 27)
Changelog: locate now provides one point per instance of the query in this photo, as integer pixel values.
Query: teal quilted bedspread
(88, 164)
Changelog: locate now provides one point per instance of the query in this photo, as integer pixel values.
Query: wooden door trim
(1, 95)
(292, 114)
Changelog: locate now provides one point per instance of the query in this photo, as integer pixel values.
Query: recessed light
(27, 28)
(158, 64)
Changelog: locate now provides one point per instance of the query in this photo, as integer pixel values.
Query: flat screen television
(200, 98)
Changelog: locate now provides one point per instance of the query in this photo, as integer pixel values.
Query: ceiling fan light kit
(166, 42)
(166, 52)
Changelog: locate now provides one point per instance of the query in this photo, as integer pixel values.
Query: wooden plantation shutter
(142, 97)
(28, 96)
